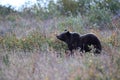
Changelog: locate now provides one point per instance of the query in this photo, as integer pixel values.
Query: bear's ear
(67, 32)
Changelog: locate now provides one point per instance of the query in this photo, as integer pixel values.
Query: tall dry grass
(48, 66)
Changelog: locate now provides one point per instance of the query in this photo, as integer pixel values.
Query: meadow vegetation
(29, 49)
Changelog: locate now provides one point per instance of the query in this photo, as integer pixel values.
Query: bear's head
(65, 36)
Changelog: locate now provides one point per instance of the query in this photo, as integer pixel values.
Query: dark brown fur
(75, 41)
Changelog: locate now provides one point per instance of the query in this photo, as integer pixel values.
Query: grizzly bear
(75, 41)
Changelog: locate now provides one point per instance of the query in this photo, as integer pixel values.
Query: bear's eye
(65, 36)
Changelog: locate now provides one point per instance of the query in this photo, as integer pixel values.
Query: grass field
(29, 50)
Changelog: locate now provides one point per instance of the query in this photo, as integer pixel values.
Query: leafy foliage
(33, 41)
(99, 16)
(6, 10)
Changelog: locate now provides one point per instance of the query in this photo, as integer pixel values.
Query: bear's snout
(58, 37)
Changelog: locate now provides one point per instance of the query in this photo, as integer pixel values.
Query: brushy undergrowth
(35, 40)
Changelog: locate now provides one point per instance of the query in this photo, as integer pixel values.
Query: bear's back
(75, 37)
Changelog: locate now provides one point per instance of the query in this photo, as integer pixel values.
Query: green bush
(6, 10)
(71, 23)
(99, 16)
(33, 41)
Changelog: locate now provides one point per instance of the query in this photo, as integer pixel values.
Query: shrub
(71, 23)
(34, 40)
(98, 16)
